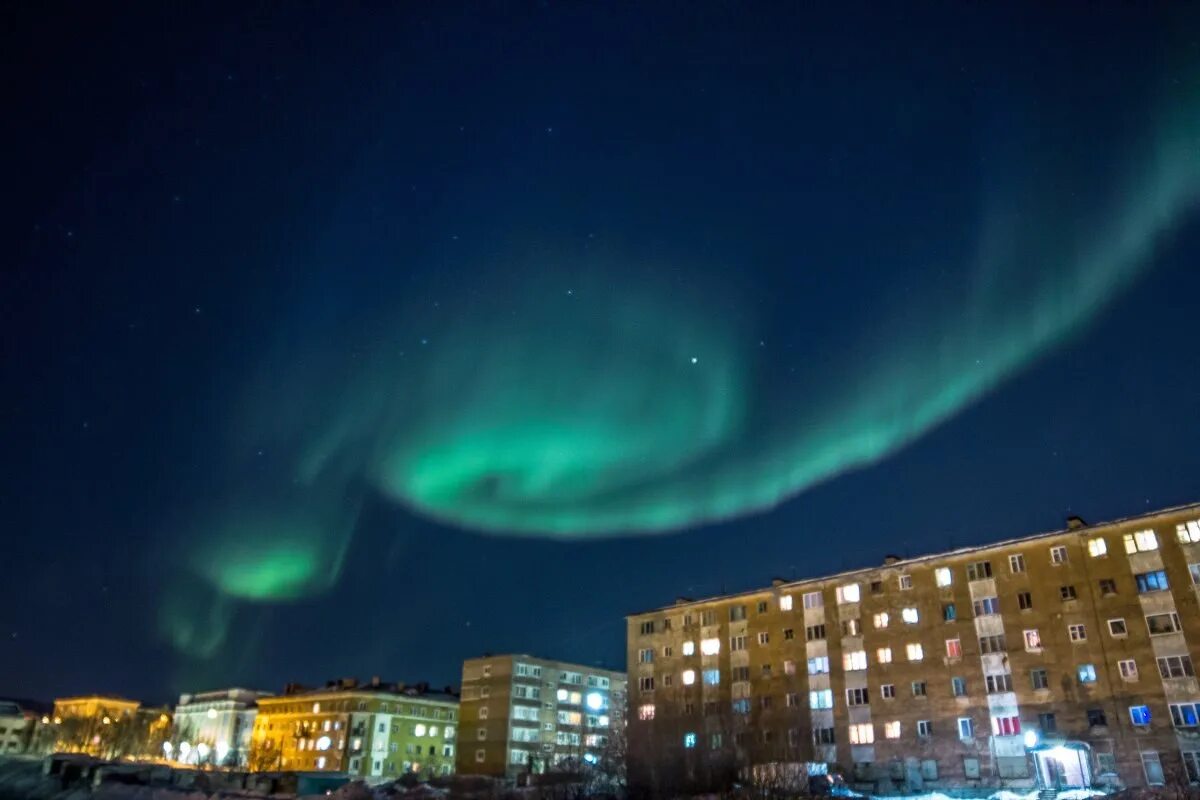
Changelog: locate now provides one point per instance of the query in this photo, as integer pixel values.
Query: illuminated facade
(524, 714)
(16, 728)
(109, 727)
(1064, 658)
(214, 727)
(377, 731)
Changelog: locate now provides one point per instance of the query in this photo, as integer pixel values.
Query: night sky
(347, 340)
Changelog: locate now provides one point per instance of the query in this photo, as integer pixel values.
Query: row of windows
(1179, 666)
(1137, 542)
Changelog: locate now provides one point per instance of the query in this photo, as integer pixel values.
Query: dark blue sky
(223, 221)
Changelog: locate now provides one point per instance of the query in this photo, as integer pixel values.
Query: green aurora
(636, 407)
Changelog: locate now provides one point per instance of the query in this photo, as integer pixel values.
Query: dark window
(1024, 600)
(812, 633)
(876, 587)
(788, 633)
(823, 736)
(1096, 718)
(737, 613)
(762, 607)
(1067, 592)
(1047, 723)
(1108, 587)
(979, 570)
(1039, 679)
(948, 612)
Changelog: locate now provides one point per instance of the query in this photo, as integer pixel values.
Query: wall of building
(1000, 649)
(521, 714)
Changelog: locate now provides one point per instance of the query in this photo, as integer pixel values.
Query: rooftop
(1075, 526)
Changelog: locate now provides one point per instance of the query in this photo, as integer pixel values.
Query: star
(570, 291)
(424, 341)
(695, 360)
(196, 310)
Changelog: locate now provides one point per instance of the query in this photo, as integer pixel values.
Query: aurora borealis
(314, 336)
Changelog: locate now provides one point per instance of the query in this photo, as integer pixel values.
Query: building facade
(522, 714)
(16, 728)
(1065, 658)
(214, 727)
(377, 731)
(96, 724)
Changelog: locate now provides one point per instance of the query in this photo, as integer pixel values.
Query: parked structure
(214, 727)
(375, 730)
(522, 714)
(1064, 659)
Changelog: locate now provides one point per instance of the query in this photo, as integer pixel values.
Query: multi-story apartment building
(378, 731)
(96, 724)
(522, 714)
(1066, 658)
(214, 727)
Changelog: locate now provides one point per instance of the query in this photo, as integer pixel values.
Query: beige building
(16, 728)
(524, 714)
(214, 727)
(1065, 658)
(377, 731)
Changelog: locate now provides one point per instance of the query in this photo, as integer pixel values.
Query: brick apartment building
(522, 714)
(1064, 658)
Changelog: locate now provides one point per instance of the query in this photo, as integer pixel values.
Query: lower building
(1063, 659)
(16, 728)
(214, 727)
(522, 715)
(377, 731)
(99, 725)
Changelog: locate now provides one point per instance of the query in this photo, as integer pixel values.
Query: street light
(1031, 739)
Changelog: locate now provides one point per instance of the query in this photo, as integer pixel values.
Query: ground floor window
(1152, 766)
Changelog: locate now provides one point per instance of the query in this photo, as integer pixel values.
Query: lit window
(1155, 581)
(1188, 532)
(891, 730)
(813, 600)
(1006, 726)
(1194, 571)
(954, 648)
(849, 593)
(785, 603)
(789, 667)
(646, 712)
(884, 655)
(1097, 547)
(863, 733)
(712, 677)
(1033, 641)
(1058, 555)
(881, 619)
(910, 615)
(689, 740)
(820, 698)
(316, 708)
(915, 651)
(1087, 673)
(710, 647)
(689, 648)
(1128, 669)
(1141, 542)
(1139, 715)
(818, 665)
(943, 576)
(905, 582)
(418, 730)
(689, 677)
(1077, 632)
(854, 660)
(986, 606)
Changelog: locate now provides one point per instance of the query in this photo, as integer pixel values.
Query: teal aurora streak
(630, 408)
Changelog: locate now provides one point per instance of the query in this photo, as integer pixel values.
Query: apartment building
(376, 731)
(1065, 658)
(214, 727)
(522, 714)
(16, 728)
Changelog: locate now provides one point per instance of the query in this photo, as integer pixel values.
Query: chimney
(374, 681)
(778, 581)
(681, 600)
(1075, 523)
(888, 560)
